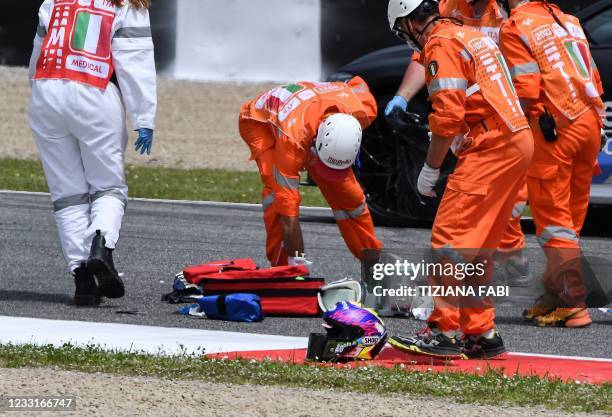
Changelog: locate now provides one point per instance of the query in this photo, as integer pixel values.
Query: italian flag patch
(279, 96)
(580, 57)
(92, 34)
(433, 68)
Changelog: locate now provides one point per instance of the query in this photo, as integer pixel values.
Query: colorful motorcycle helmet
(353, 332)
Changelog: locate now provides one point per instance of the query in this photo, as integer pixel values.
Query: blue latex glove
(144, 143)
(397, 102)
(358, 161)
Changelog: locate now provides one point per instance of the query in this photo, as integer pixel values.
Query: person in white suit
(90, 58)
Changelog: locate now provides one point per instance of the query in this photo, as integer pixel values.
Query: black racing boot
(481, 347)
(86, 291)
(101, 264)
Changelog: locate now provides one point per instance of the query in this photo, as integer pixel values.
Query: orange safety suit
(489, 24)
(279, 127)
(551, 65)
(472, 96)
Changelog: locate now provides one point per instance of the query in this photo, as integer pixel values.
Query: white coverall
(81, 132)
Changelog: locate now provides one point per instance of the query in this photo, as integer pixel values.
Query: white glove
(299, 260)
(427, 181)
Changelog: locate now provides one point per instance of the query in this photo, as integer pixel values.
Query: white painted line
(129, 337)
(35, 193)
(318, 210)
(161, 340)
(572, 358)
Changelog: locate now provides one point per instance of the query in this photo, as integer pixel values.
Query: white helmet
(400, 8)
(338, 141)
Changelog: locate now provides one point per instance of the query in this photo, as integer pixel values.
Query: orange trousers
(346, 198)
(559, 182)
(514, 238)
(473, 215)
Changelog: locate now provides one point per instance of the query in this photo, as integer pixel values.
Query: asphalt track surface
(160, 238)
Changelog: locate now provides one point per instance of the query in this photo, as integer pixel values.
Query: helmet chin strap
(431, 22)
(414, 40)
(408, 38)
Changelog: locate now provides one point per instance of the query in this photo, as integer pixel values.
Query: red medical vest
(78, 43)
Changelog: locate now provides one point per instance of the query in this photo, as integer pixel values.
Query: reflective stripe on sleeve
(133, 32)
(466, 55)
(112, 192)
(525, 41)
(440, 84)
(70, 201)
(345, 214)
(285, 182)
(525, 69)
(558, 232)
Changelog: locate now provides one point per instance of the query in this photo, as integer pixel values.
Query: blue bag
(229, 307)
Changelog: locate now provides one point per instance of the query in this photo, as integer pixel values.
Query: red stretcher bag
(191, 273)
(283, 290)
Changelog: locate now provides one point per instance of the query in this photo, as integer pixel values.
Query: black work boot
(101, 264)
(86, 291)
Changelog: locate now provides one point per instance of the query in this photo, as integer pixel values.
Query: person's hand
(427, 181)
(397, 102)
(144, 143)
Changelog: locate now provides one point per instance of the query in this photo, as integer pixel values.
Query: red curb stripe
(566, 369)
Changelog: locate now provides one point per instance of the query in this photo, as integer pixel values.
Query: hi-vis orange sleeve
(447, 78)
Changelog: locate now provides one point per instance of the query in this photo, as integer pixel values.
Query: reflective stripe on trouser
(475, 209)
(81, 143)
(557, 233)
(78, 218)
(275, 251)
(559, 181)
(514, 238)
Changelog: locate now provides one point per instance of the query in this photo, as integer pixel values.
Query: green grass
(491, 389)
(527, 212)
(162, 183)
